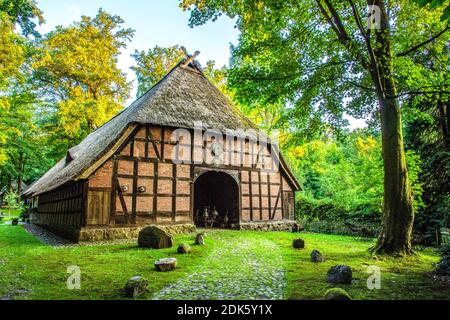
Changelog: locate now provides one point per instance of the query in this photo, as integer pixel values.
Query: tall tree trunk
(444, 121)
(20, 173)
(398, 215)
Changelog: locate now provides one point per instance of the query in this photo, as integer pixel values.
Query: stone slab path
(238, 269)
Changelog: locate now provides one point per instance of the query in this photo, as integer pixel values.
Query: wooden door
(288, 205)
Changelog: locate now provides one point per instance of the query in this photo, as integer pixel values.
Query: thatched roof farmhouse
(180, 155)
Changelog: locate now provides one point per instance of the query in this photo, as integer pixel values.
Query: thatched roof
(182, 98)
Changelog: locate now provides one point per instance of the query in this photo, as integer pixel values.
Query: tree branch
(358, 20)
(360, 86)
(338, 27)
(416, 93)
(418, 46)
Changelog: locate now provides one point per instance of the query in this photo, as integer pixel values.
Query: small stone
(136, 287)
(166, 264)
(316, 256)
(184, 249)
(298, 244)
(200, 239)
(337, 294)
(340, 275)
(154, 237)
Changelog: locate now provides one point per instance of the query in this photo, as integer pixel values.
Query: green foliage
(342, 180)
(312, 58)
(22, 144)
(414, 164)
(23, 13)
(11, 51)
(12, 200)
(27, 148)
(434, 4)
(443, 267)
(56, 89)
(426, 125)
(12, 58)
(76, 70)
(288, 53)
(152, 66)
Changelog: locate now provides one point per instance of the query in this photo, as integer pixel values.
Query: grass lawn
(8, 215)
(32, 270)
(401, 278)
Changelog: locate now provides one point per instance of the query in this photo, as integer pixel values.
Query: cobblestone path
(238, 269)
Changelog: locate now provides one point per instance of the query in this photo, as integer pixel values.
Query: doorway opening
(216, 200)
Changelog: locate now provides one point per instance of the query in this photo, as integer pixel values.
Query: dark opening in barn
(216, 200)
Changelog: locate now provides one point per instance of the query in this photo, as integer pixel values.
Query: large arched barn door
(216, 200)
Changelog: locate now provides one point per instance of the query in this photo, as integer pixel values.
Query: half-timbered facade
(178, 155)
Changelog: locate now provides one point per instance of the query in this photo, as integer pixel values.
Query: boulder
(200, 239)
(297, 228)
(298, 244)
(340, 275)
(316, 256)
(136, 287)
(166, 264)
(154, 237)
(337, 294)
(184, 249)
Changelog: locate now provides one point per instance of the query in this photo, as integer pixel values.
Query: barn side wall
(60, 210)
(143, 183)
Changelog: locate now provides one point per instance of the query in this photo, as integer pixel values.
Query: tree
(321, 60)
(12, 201)
(23, 13)
(16, 111)
(27, 145)
(12, 57)
(427, 124)
(152, 66)
(76, 71)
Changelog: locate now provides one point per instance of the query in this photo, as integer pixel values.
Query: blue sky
(156, 22)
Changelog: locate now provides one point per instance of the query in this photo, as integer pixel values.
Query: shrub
(24, 215)
(443, 267)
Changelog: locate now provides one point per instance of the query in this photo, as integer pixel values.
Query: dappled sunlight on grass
(41, 270)
(401, 278)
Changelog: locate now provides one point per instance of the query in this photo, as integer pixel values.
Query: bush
(24, 215)
(443, 267)
(322, 216)
(345, 228)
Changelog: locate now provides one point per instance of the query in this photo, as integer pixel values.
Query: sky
(156, 22)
